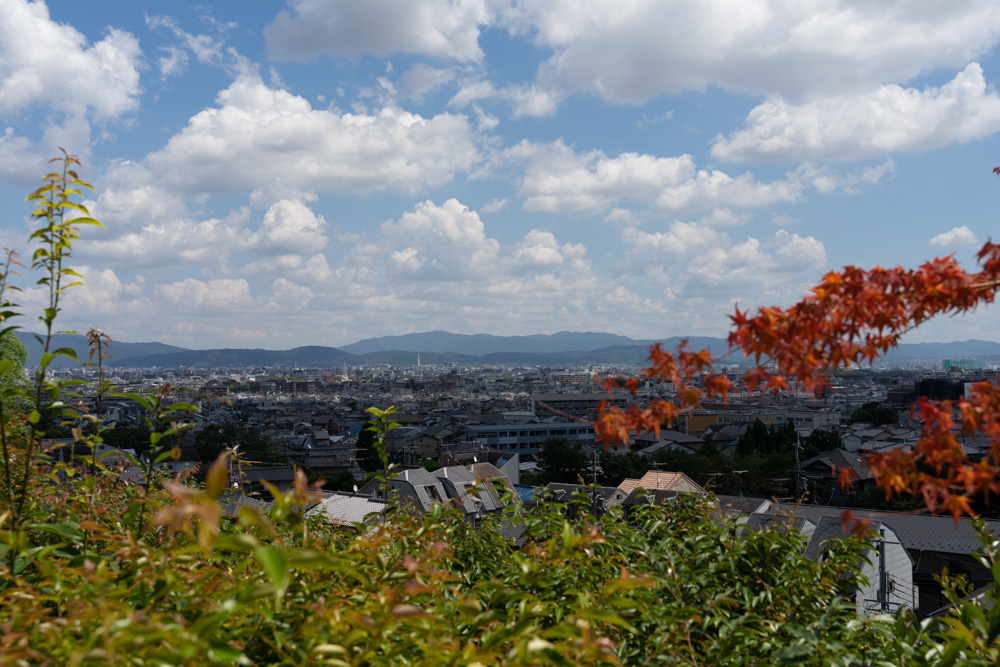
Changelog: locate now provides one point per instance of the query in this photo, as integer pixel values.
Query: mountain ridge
(433, 348)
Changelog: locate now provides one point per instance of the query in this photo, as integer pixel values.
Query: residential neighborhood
(478, 440)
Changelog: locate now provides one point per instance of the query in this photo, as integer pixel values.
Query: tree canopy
(12, 349)
(873, 413)
(562, 461)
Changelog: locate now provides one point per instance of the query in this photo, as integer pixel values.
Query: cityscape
(499, 332)
(531, 428)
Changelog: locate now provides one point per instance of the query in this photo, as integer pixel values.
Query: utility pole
(800, 483)
(882, 602)
(883, 577)
(739, 476)
(594, 468)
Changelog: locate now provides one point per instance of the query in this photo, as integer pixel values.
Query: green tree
(367, 454)
(562, 461)
(873, 413)
(13, 349)
(821, 440)
(755, 439)
(127, 436)
(253, 447)
(616, 467)
(784, 437)
(708, 449)
(333, 480)
(13, 382)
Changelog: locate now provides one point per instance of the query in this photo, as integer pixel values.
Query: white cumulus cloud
(955, 237)
(290, 226)
(857, 126)
(441, 242)
(270, 140)
(636, 51)
(45, 62)
(440, 28)
(556, 178)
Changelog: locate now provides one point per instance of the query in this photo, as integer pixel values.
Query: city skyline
(325, 172)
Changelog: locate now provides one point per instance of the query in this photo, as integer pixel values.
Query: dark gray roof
(563, 492)
(669, 435)
(474, 494)
(916, 532)
(231, 502)
(420, 480)
(277, 474)
(828, 528)
(763, 521)
(740, 504)
(643, 496)
(839, 458)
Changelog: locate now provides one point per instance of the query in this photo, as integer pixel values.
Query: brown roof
(660, 480)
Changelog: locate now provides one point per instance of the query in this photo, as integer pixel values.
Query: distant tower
(418, 360)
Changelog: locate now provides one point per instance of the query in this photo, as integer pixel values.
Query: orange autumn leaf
(851, 317)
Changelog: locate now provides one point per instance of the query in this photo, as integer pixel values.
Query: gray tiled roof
(424, 484)
(839, 458)
(564, 492)
(828, 528)
(761, 521)
(917, 532)
(740, 504)
(274, 474)
(231, 502)
(643, 496)
(473, 493)
(346, 509)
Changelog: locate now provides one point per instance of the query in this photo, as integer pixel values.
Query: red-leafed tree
(852, 316)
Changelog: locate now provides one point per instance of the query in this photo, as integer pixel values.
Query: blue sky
(319, 171)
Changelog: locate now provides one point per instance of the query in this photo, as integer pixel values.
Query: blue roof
(528, 493)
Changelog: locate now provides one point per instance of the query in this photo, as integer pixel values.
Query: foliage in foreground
(672, 585)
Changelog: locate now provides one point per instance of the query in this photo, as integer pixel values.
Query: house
(932, 542)
(641, 497)
(507, 463)
(663, 481)
(488, 472)
(476, 496)
(431, 440)
(600, 499)
(887, 584)
(418, 488)
(825, 469)
(232, 501)
(347, 509)
(252, 479)
(742, 507)
(648, 444)
(765, 520)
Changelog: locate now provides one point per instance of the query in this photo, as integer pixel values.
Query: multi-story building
(528, 438)
(575, 405)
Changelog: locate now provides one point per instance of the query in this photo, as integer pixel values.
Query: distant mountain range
(436, 347)
(480, 344)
